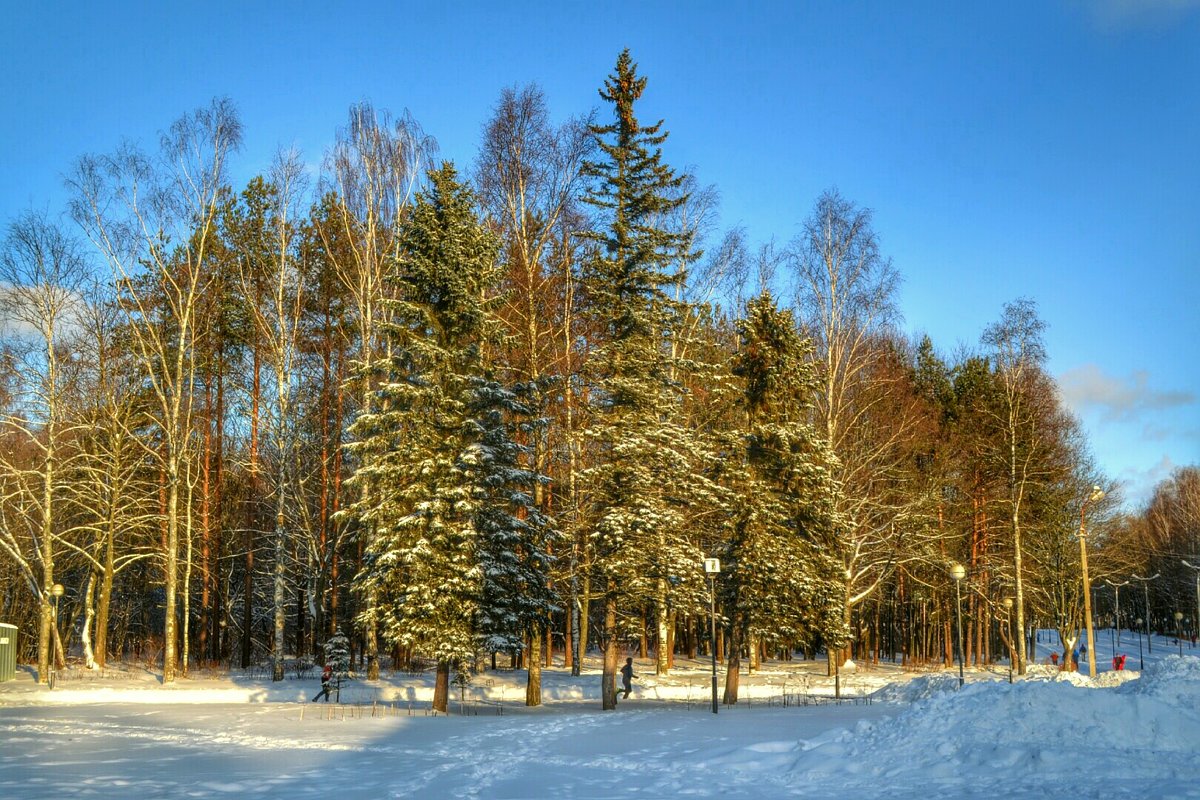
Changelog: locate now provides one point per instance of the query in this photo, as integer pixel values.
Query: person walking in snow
(627, 676)
(326, 683)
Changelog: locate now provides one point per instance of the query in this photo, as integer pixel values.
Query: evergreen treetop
(634, 190)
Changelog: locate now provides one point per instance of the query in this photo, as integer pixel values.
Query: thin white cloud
(1117, 399)
(1139, 484)
(1152, 432)
(1123, 15)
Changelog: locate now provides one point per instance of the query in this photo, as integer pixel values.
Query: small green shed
(8, 651)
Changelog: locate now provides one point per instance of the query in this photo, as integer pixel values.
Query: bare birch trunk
(89, 616)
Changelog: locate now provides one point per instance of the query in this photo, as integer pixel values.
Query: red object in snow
(1054, 659)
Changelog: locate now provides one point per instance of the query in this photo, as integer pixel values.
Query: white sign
(712, 566)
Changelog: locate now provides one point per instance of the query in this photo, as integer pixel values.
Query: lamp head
(958, 571)
(57, 590)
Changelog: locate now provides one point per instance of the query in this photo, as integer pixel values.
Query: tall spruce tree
(646, 472)
(455, 536)
(514, 533)
(781, 575)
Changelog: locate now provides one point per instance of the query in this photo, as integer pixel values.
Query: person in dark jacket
(326, 683)
(627, 676)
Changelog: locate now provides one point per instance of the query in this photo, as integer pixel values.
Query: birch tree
(372, 172)
(111, 489)
(43, 273)
(845, 293)
(1017, 353)
(153, 219)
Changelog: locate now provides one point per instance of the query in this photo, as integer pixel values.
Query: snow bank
(1017, 734)
(920, 688)
(1173, 681)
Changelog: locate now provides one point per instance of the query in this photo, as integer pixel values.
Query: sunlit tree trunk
(608, 679)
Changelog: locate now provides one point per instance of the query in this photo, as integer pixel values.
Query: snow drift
(1024, 737)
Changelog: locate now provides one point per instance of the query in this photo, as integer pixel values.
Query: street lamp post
(712, 568)
(1117, 591)
(1008, 604)
(56, 591)
(958, 572)
(1179, 630)
(1096, 494)
(1146, 588)
(1141, 661)
(1193, 566)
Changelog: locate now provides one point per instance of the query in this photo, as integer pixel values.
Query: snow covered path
(267, 751)
(1122, 736)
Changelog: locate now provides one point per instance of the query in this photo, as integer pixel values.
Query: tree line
(509, 411)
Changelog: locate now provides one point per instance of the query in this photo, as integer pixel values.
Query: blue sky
(1038, 149)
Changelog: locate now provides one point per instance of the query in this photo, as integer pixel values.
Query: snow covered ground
(122, 735)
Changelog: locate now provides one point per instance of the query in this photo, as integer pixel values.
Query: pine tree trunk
(948, 639)
(533, 684)
(733, 667)
(662, 646)
(372, 643)
(608, 685)
(584, 615)
(251, 516)
(672, 626)
(441, 687)
(643, 640)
